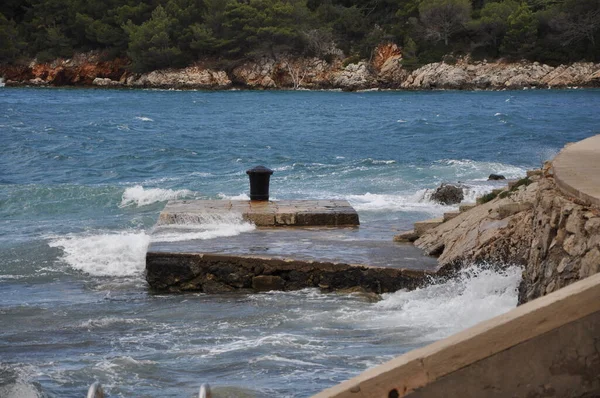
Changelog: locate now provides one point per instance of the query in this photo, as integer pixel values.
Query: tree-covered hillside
(162, 33)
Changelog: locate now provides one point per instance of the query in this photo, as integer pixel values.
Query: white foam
(286, 340)
(107, 254)
(277, 358)
(140, 196)
(283, 168)
(418, 201)
(179, 233)
(472, 192)
(144, 119)
(476, 294)
(2, 84)
(202, 226)
(22, 386)
(476, 170)
(109, 321)
(383, 161)
(241, 196)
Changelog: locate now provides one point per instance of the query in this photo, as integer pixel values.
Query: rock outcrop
(385, 70)
(499, 75)
(387, 63)
(556, 238)
(448, 194)
(195, 77)
(80, 70)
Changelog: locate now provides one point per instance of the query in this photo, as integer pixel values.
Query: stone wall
(216, 273)
(565, 244)
(556, 238)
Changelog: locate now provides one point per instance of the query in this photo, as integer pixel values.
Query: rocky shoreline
(384, 71)
(554, 236)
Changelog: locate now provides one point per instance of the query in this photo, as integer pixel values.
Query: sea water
(85, 173)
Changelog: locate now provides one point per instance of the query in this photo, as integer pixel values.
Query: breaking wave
(140, 196)
(108, 254)
(477, 293)
(202, 227)
(144, 119)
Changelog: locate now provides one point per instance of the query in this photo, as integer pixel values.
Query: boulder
(354, 77)
(190, 77)
(448, 194)
(406, 237)
(496, 177)
(105, 82)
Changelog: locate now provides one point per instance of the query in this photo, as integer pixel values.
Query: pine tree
(521, 32)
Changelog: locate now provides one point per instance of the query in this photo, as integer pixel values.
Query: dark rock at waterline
(496, 177)
(448, 194)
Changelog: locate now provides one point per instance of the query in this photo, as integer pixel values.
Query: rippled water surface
(84, 174)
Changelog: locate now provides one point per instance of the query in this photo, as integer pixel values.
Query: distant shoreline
(384, 72)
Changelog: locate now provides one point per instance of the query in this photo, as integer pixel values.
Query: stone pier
(295, 245)
(264, 213)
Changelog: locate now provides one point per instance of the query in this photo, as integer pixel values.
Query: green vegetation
(487, 198)
(161, 33)
(506, 193)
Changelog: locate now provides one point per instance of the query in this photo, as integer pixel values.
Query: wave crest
(140, 196)
(477, 293)
(108, 254)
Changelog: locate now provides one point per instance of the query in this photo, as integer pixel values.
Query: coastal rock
(354, 77)
(191, 77)
(448, 194)
(256, 74)
(554, 237)
(501, 75)
(82, 69)
(387, 62)
(288, 71)
(105, 82)
(496, 177)
(577, 74)
(37, 81)
(285, 72)
(406, 237)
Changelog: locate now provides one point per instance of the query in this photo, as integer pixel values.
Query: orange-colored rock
(80, 70)
(384, 52)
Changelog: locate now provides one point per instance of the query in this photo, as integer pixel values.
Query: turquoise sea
(84, 174)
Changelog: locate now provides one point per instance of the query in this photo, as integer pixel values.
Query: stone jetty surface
(264, 213)
(297, 244)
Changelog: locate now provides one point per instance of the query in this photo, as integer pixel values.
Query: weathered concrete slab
(280, 213)
(423, 226)
(450, 215)
(577, 170)
(323, 249)
(406, 237)
(466, 207)
(348, 245)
